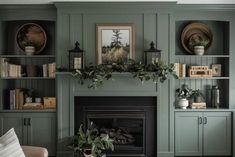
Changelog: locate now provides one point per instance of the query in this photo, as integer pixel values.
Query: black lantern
(152, 55)
(76, 57)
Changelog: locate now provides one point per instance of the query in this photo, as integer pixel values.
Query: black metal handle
(200, 120)
(205, 120)
(25, 122)
(29, 121)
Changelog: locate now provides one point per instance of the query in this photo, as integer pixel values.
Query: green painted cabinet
(8, 121)
(188, 133)
(35, 129)
(202, 133)
(217, 133)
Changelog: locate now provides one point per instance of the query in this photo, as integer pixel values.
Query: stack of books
(33, 105)
(198, 105)
(180, 69)
(49, 69)
(8, 69)
(16, 99)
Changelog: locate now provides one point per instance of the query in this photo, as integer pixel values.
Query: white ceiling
(178, 1)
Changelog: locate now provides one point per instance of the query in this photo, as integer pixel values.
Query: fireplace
(129, 121)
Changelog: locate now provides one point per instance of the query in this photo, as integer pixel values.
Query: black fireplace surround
(130, 121)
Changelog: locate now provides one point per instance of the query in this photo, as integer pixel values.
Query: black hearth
(130, 121)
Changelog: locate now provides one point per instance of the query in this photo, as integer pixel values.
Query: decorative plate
(31, 34)
(195, 30)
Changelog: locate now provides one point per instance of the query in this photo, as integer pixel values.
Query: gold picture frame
(216, 69)
(114, 43)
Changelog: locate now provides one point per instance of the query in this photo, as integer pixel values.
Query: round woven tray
(195, 30)
(33, 33)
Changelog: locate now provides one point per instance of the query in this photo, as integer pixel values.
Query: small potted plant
(182, 95)
(198, 44)
(29, 94)
(197, 96)
(91, 143)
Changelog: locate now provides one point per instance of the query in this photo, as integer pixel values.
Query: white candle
(77, 63)
(153, 59)
(156, 59)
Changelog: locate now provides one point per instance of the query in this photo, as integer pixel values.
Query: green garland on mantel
(98, 73)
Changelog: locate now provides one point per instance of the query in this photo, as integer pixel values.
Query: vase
(29, 100)
(199, 50)
(29, 50)
(198, 99)
(87, 153)
(38, 100)
(31, 70)
(215, 96)
(183, 103)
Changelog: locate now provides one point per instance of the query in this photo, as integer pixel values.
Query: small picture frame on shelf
(216, 69)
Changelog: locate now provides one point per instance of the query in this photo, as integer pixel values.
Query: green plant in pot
(183, 94)
(29, 94)
(198, 44)
(90, 143)
(197, 95)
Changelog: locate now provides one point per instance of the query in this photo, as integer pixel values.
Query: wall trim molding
(165, 154)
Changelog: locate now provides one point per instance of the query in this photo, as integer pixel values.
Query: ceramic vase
(31, 70)
(199, 50)
(87, 153)
(29, 100)
(183, 103)
(29, 50)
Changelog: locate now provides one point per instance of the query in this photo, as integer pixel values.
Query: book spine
(17, 92)
(53, 69)
(21, 99)
(1, 66)
(11, 100)
(176, 69)
(5, 68)
(50, 70)
(45, 70)
(14, 99)
(183, 67)
(19, 70)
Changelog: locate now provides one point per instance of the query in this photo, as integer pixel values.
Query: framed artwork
(216, 69)
(114, 43)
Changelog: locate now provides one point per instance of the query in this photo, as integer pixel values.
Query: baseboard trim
(70, 154)
(165, 154)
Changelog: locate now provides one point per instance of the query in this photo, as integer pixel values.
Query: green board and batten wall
(77, 21)
(153, 22)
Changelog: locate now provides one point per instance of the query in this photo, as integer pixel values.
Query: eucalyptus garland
(156, 71)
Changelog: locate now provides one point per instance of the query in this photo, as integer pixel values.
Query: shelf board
(27, 56)
(35, 110)
(211, 56)
(27, 78)
(200, 78)
(206, 109)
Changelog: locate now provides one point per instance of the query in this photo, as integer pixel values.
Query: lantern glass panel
(152, 57)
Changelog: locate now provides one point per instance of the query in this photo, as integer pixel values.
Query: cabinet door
(13, 120)
(188, 133)
(217, 133)
(41, 130)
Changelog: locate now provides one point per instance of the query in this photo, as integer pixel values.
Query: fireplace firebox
(129, 121)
